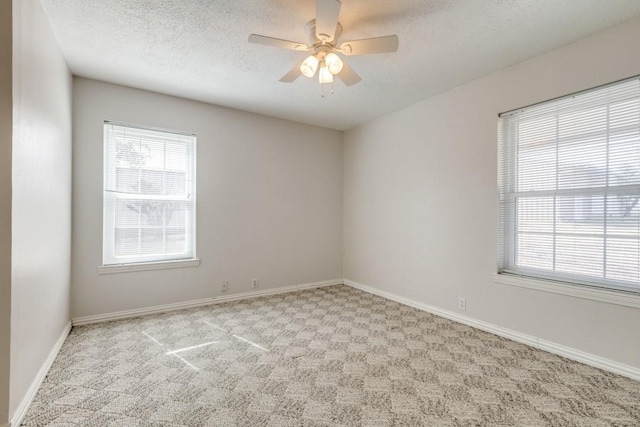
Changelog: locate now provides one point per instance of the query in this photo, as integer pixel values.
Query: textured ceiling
(198, 49)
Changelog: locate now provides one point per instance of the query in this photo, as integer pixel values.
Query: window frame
(116, 264)
(508, 273)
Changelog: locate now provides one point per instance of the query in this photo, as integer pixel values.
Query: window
(149, 195)
(569, 189)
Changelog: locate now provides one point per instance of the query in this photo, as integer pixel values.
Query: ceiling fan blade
(270, 41)
(327, 13)
(382, 44)
(292, 75)
(347, 75)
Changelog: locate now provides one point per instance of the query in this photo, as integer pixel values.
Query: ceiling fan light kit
(309, 66)
(324, 33)
(330, 64)
(325, 76)
(334, 63)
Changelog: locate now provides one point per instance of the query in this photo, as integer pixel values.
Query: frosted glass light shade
(309, 66)
(325, 75)
(334, 63)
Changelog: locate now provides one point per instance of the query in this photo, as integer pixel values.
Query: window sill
(147, 266)
(579, 291)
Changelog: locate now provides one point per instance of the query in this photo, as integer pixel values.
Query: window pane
(580, 214)
(176, 240)
(582, 163)
(537, 155)
(151, 181)
(127, 214)
(624, 115)
(623, 257)
(624, 158)
(623, 214)
(127, 241)
(128, 180)
(582, 124)
(176, 213)
(535, 251)
(155, 154)
(176, 157)
(129, 153)
(151, 241)
(535, 214)
(580, 255)
(175, 183)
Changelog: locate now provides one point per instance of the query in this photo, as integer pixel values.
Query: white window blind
(149, 195)
(569, 188)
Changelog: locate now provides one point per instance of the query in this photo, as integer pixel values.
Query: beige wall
(6, 124)
(269, 201)
(420, 191)
(41, 196)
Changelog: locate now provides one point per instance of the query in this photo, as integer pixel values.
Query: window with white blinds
(149, 195)
(569, 188)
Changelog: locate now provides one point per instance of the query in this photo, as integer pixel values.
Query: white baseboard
(138, 312)
(22, 409)
(127, 314)
(551, 347)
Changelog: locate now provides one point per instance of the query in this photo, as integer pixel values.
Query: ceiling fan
(324, 33)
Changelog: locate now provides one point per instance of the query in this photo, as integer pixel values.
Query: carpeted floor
(330, 356)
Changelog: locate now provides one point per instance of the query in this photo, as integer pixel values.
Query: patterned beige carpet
(326, 357)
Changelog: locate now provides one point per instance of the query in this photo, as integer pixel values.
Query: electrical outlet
(224, 286)
(462, 303)
(255, 283)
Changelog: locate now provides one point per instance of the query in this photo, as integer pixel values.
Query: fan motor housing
(311, 31)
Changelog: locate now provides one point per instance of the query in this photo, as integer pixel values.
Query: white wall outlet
(255, 283)
(224, 286)
(462, 303)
